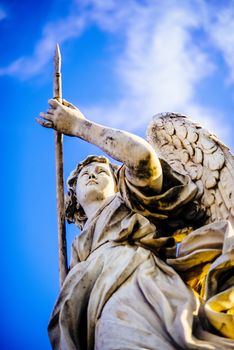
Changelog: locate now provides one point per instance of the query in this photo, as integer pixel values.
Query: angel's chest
(108, 227)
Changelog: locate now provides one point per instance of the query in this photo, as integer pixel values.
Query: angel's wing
(191, 149)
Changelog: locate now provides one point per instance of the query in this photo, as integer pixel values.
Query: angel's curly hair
(73, 210)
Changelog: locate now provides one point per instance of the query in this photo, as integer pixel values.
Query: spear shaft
(57, 93)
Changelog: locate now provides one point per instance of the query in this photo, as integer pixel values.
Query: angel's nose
(92, 176)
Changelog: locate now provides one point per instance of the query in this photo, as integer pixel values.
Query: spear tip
(57, 59)
(57, 49)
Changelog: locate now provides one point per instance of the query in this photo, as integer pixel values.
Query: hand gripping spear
(59, 174)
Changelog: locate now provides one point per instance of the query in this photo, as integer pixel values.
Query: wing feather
(191, 149)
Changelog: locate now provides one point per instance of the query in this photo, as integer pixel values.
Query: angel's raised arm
(143, 165)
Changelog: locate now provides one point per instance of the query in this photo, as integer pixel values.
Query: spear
(57, 93)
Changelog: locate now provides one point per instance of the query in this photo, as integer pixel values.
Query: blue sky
(122, 62)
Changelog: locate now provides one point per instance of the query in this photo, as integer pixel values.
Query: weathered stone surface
(146, 270)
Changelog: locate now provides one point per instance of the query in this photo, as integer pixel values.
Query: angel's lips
(91, 182)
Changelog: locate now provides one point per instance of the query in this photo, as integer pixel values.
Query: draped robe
(120, 293)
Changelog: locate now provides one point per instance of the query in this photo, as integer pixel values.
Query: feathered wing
(191, 149)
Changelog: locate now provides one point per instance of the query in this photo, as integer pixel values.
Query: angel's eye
(85, 173)
(103, 171)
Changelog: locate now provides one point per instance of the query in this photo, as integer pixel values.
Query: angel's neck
(91, 209)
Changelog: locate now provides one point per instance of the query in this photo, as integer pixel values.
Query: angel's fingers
(50, 111)
(54, 103)
(45, 123)
(47, 116)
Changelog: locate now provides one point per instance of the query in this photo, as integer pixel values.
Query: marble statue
(153, 265)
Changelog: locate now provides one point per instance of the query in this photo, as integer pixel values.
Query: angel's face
(95, 182)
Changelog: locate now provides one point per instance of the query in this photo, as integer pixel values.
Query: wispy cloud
(165, 55)
(3, 13)
(161, 66)
(162, 63)
(59, 31)
(220, 28)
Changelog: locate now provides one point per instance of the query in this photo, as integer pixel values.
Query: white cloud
(161, 66)
(220, 28)
(161, 63)
(59, 31)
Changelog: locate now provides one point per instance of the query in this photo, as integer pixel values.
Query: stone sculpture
(153, 265)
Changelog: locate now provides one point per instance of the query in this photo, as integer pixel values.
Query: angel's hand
(63, 117)
(69, 104)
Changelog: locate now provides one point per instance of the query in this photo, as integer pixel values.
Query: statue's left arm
(143, 165)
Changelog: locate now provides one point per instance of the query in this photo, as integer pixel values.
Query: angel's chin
(93, 193)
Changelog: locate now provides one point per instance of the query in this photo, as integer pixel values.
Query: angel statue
(153, 265)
